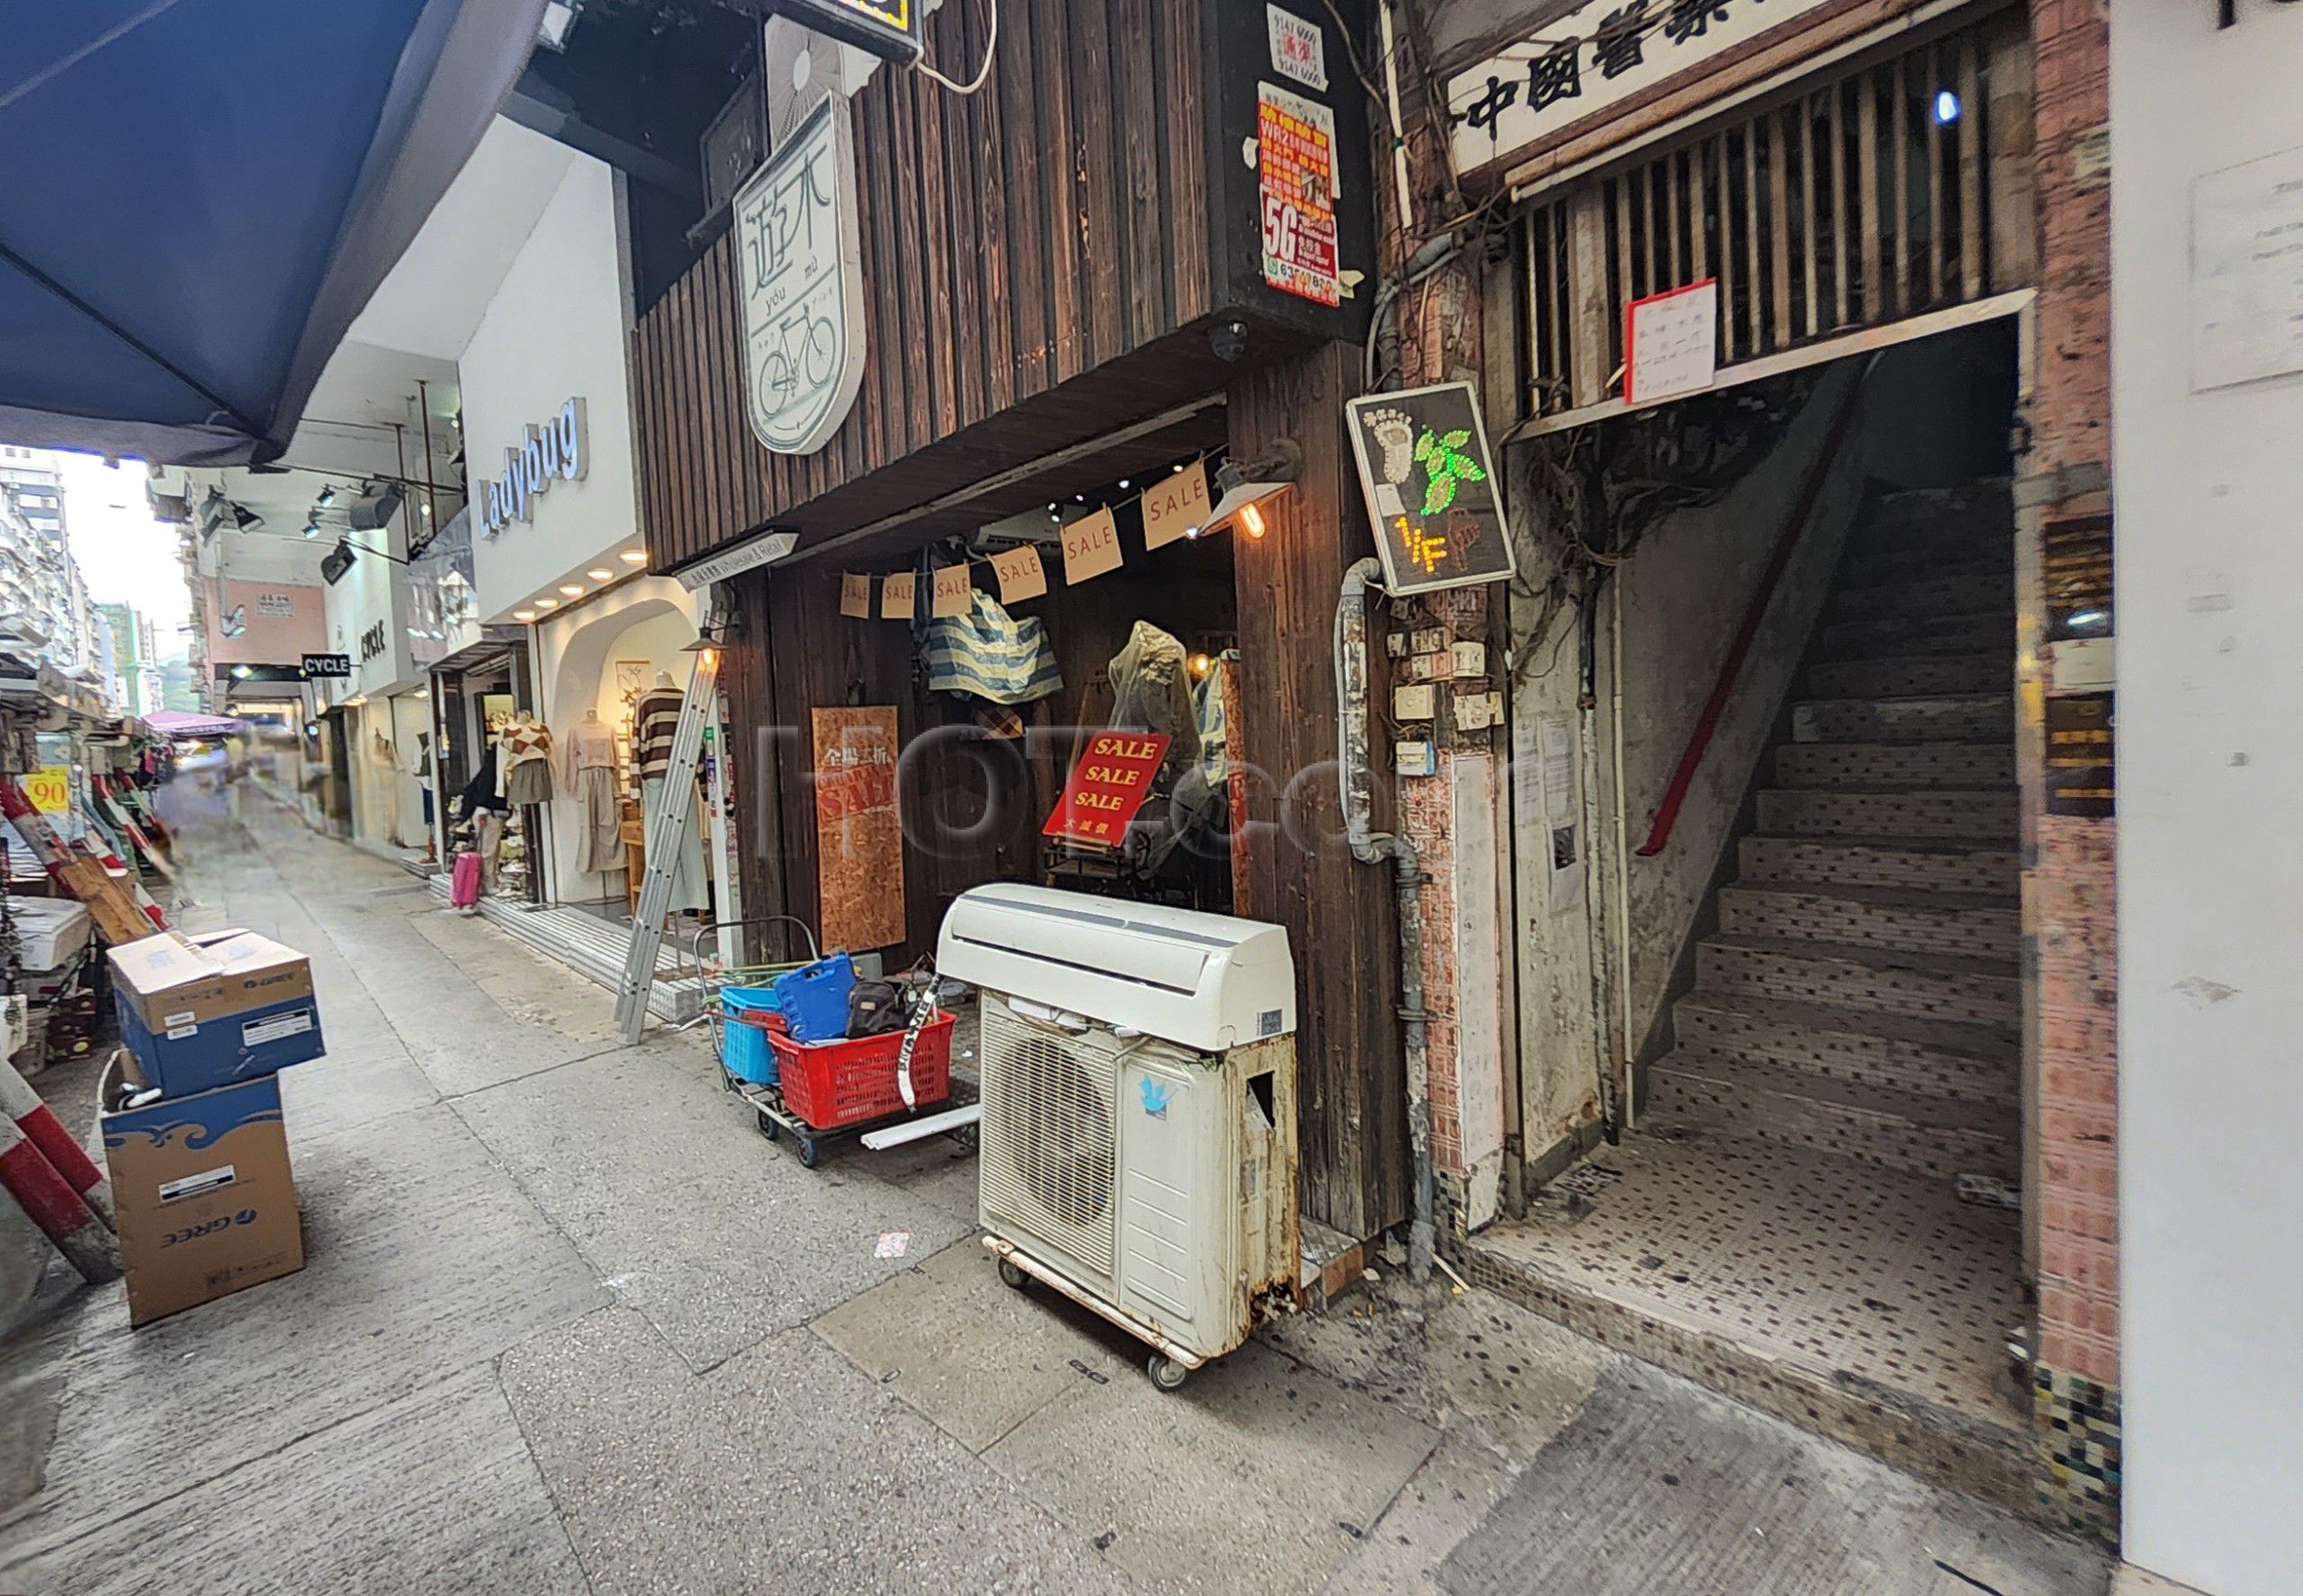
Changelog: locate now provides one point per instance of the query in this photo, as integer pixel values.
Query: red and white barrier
(33, 1116)
(53, 1204)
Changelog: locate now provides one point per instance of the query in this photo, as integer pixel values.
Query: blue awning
(198, 196)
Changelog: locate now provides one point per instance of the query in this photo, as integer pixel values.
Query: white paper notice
(1670, 343)
(2247, 271)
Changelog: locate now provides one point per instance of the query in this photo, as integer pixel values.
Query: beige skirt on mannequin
(600, 846)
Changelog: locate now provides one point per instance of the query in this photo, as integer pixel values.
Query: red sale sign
(1107, 786)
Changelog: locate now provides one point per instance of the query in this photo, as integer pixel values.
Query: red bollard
(44, 1131)
(52, 1204)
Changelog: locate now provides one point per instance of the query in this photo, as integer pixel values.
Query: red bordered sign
(1106, 788)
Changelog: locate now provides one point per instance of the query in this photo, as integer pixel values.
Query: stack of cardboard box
(200, 1172)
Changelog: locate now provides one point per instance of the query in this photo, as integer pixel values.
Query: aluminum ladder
(667, 834)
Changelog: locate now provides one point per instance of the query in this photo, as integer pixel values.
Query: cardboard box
(204, 1191)
(204, 1012)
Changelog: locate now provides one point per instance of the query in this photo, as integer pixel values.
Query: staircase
(1861, 996)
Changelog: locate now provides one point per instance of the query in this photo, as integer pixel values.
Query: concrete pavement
(570, 1324)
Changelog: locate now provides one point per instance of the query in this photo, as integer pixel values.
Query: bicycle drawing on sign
(800, 277)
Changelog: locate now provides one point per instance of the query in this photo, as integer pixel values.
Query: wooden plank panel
(1065, 198)
(1778, 221)
(1137, 69)
(916, 312)
(1024, 196)
(1810, 246)
(719, 513)
(1935, 135)
(1755, 338)
(1898, 132)
(948, 249)
(991, 198)
(1186, 158)
(1841, 211)
(1971, 123)
(2014, 176)
(1104, 239)
(1869, 224)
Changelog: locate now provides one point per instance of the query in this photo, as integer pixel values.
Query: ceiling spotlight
(427, 509)
(311, 528)
(524, 614)
(634, 556)
(241, 673)
(1122, 484)
(547, 604)
(327, 497)
(1245, 485)
(601, 573)
(1947, 107)
(573, 589)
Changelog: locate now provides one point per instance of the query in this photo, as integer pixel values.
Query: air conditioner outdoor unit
(1138, 1139)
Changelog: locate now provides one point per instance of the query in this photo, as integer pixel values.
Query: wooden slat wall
(1350, 1083)
(1010, 241)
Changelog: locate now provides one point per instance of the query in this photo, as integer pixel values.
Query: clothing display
(588, 770)
(523, 760)
(655, 720)
(482, 792)
(992, 655)
(1152, 691)
(688, 887)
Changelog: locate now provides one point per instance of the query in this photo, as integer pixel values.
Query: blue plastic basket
(744, 1000)
(744, 1050)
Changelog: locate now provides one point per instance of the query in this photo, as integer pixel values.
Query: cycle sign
(801, 282)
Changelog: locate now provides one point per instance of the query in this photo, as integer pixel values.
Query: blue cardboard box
(204, 1012)
(204, 1191)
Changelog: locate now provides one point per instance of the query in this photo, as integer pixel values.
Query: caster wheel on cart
(766, 1125)
(1167, 1374)
(809, 1157)
(1012, 1275)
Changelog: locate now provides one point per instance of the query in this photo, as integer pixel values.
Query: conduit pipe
(1370, 847)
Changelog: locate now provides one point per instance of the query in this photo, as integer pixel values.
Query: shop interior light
(1200, 665)
(1245, 485)
(524, 614)
(547, 604)
(241, 673)
(572, 589)
(601, 573)
(312, 528)
(1947, 107)
(327, 497)
(633, 556)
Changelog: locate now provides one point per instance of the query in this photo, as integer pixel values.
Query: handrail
(1667, 812)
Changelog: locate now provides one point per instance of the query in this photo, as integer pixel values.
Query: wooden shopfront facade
(1064, 293)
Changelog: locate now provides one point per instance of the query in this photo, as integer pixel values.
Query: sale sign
(50, 788)
(1090, 546)
(1107, 786)
(1295, 177)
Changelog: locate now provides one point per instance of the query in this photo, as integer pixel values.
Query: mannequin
(654, 721)
(422, 771)
(523, 760)
(588, 770)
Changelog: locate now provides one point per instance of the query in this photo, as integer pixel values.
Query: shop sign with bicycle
(802, 280)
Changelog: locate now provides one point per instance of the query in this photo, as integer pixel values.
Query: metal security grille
(1858, 200)
(1050, 1146)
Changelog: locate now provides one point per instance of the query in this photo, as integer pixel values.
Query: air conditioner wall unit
(1138, 1139)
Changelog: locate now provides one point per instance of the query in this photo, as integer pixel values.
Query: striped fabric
(992, 655)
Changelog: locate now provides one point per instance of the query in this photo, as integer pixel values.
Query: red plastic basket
(830, 1084)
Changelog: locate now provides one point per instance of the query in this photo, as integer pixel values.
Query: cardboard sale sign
(1107, 787)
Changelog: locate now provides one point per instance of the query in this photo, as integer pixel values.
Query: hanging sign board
(1670, 343)
(1107, 787)
(899, 595)
(889, 28)
(1598, 56)
(764, 550)
(2080, 736)
(859, 837)
(1429, 479)
(1176, 506)
(1090, 547)
(50, 788)
(1295, 176)
(800, 279)
(954, 593)
(1298, 50)
(318, 666)
(1021, 575)
(855, 595)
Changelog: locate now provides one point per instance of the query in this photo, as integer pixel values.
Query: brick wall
(2069, 898)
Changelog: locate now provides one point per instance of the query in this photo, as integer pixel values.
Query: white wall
(652, 619)
(556, 330)
(2209, 566)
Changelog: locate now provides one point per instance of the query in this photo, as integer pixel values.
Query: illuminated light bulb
(547, 604)
(1946, 107)
(600, 573)
(524, 614)
(573, 589)
(1201, 665)
(1251, 520)
(633, 556)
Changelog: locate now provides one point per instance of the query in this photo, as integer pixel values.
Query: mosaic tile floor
(1841, 1266)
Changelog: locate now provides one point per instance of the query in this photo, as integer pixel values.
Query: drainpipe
(1370, 847)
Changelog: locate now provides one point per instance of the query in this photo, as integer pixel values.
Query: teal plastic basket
(744, 1051)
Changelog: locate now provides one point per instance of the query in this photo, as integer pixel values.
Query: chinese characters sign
(1670, 342)
(859, 840)
(1429, 483)
(1597, 56)
(801, 280)
(1107, 786)
(1295, 177)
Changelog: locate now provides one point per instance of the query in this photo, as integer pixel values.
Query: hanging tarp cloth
(197, 197)
(183, 725)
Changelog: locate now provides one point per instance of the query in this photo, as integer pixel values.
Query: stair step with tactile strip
(1938, 1058)
(1951, 590)
(1884, 636)
(1923, 1135)
(1912, 676)
(1841, 811)
(1927, 986)
(1881, 862)
(1884, 765)
(1963, 717)
(1873, 917)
